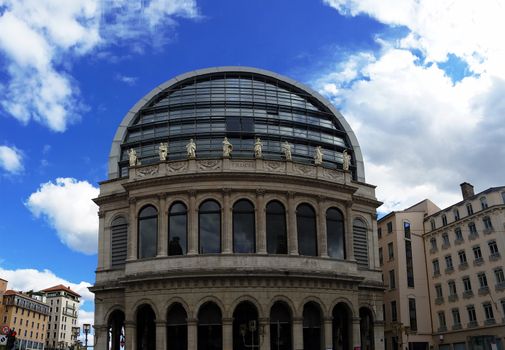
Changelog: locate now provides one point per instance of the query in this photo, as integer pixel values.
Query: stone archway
(146, 328)
(245, 326)
(341, 327)
(366, 327)
(115, 330)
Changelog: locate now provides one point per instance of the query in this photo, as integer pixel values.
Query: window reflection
(335, 233)
(306, 226)
(209, 227)
(277, 240)
(177, 229)
(147, 232)
(244, 240)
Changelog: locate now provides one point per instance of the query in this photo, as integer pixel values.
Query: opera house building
(236, 216)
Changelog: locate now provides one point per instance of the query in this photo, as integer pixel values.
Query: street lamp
(86, 327)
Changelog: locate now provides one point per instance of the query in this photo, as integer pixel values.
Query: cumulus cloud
(41, 38)
(423, 132)
(126, 79)
(11, 159)
(67, 206)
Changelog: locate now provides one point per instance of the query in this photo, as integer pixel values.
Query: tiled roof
(61, 287)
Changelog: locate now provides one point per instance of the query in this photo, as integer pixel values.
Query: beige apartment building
(456, 296)
(406, 298)
(465, 256)
(27, 314)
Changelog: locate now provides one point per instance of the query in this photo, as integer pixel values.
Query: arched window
(483, 203)
(312, 334)
(280, 327)
(277, 238)
(306, 226)
(360, 230)
(210, 334)
(366, 329)
(146, 328)
(245, 327)
(244, 239)
(209, 227)
(341, 326)
(148, 232)
(116, 330)
(335, 233)
(177, 328)
(177, 229)
(119, 238)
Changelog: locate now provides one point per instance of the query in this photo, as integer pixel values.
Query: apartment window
(500, 277)
(391, 253)
(458, 233)
(445, 239)
(503, 199)
(389, 227)
(406, 229)
(467, 284)
(432, 223)
(392, 282)
(477, 253)
(473, 229)
(393, 312)
(444, 220)
(452, 288)
(488, 225)
(469, 209)
(482, 279)
(433, 242)
(436, 267)
(483, 203)
(493, 248)
(381, 257)
(456, 214)
(462, 257)
(448, 262)
(409, 263)
(412, 314)
(456, 318)
(438, 291)
(472, 317)
(441, 320)
(488, 311)
(379, 232)
(503, 306)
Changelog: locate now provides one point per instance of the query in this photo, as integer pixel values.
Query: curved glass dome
(241, 104)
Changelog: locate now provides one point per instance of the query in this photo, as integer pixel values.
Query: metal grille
(360, 244)
(119, 236)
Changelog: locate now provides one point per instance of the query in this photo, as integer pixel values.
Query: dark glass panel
(335, 233)
(210, 334)
(209, 224)
(306, 226)
(244, 240)
(148, 211)
(177, 329)
(341, 327)
(146, 328)
(280, 327)
(177, 229)
(277, 239)
(311, 327)
(147, 232)
(245, 327)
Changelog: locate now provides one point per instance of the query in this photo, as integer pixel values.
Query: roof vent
(467, 190)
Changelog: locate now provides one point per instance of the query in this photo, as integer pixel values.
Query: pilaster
(292, 229)
(130, 335)
(132, 230)
(162, 238)
(227, 223)
(227, 333)
(192, 224)
(261, 238)
(322, 238)
(349, 232)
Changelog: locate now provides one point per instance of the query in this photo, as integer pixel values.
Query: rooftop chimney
(467, 190)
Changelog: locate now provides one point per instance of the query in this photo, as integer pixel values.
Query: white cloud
(39, 38)
(126, 79)
(421, 133)
(68, 208)
(11, 159)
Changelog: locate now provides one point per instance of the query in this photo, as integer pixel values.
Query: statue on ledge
(227, 148)
(286, 148)
(318, 156)
(163, 151)
(191, 149)
(258, 152)
(346, 160)
(132, 156)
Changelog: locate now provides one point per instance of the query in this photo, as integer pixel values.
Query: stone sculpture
(227, 148)
(318, 156)
(346, 160)
(258, 152)
(163, 151)
(132, 156)
(191, 149)
(286, 148)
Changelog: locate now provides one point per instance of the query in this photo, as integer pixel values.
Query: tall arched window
(280, 327)
(210, 330)
(277, 238)
(335, 233)
(177, 328)
(244, 239)
(312, 334)
(209, 227)
(177, 229)
(360, 230)
(148, 232)
(146, 328)
(306, 226)
(119, 238)
(245, 327)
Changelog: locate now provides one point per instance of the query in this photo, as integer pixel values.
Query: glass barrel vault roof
(241, 104)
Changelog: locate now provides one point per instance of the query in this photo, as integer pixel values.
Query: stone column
(328, 332)
(261, 238)
(322, 238)
(298, 333)
(378, 333)
(130, 335)
(292, 229)
(227, 224)
(132, 231)
(100, 337)
(104, 233)
(264, 328)
(227, 333)
(356, 332)
(192, 333)
(162, 227)
(161, 334)
(192, 224)
(349, 246)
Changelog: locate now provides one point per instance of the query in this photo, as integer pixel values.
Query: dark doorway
(177, 328)
(245, 327)
(210, 330)
(366, 329)
(116, 330)
(311, 327)
(146, 329)
(341, 327)
(280, 327)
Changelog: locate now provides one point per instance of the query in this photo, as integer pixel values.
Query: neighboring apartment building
(406, 299)
(64, 307)
(465, 253)
(27, 314)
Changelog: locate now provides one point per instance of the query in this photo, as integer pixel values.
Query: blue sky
(424, 103)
